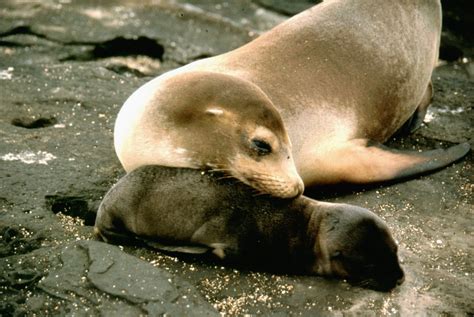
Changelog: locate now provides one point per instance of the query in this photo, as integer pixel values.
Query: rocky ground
(65, 69)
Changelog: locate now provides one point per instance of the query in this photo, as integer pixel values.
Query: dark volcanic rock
(66, 67)
(106, 277)
(458, 22)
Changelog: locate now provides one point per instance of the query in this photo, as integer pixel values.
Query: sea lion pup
(336, 80)
(186, 210)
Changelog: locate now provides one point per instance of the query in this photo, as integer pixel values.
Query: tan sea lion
(321, 91)
(187, 210)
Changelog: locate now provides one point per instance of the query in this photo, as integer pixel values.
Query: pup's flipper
(112, 236)
(213, 234)
(190, 249)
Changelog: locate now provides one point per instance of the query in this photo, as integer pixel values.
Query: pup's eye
(262, 147)
(336, 255)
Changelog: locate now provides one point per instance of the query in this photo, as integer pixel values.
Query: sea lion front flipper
(110, 235)
(362, 161)
(191, 249)
(213, 235)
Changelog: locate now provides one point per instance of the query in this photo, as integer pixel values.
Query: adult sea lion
(321, 91)
(187, 210)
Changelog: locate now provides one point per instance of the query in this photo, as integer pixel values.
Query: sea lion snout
(280, 188)
(261, 159)
(353, 243)
(279, 179)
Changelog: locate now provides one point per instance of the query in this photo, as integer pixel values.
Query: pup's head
(354, 244)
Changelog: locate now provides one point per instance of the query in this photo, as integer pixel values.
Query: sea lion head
(354, 244)
(229, 124)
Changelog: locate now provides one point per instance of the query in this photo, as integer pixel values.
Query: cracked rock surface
(91, 268)
(66, 67)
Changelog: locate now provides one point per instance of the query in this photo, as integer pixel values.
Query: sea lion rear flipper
(362, 161)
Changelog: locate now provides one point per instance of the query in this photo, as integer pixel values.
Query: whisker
(220, 170)
(365, 283)
(235, 179)
(259, 193)
(226, 177)
(266, 177)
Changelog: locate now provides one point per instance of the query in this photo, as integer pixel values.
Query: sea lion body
(342, 70)
(342, 77)
(188, 210)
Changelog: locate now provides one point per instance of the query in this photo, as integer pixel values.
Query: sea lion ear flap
(221, 114)
(331, 221)
(215, 111)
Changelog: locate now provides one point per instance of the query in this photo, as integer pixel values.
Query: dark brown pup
(187, 210)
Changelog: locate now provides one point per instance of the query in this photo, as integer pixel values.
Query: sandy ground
(65, 69)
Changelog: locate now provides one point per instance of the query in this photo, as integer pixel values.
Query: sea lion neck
(313, 217)
(283, 235)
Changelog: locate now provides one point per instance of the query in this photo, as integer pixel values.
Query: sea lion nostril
(295, 191)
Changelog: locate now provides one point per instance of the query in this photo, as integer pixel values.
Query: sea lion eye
(262, 147)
